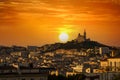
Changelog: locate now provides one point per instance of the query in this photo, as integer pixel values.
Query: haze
(39, 22)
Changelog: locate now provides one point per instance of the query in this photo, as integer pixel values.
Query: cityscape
(59, 40)
(80, 56)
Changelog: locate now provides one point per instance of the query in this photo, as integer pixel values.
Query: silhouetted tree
(61, 77)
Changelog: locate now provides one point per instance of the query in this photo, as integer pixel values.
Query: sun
(63, 37)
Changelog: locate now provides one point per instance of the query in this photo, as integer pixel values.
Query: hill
(73, 45)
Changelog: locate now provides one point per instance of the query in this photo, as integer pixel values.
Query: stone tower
(85, 35)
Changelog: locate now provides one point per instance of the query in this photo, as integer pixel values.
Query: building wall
(70, 74)
(101, 76)
(81, 38)
(78, 68)
(103, 50)
(104, 64)
(108, 75)
(114, 64)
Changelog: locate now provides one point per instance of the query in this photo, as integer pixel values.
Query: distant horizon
(52, 43)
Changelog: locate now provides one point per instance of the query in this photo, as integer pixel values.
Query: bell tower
(85, 35)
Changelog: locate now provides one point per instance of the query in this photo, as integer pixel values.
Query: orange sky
(39, 22)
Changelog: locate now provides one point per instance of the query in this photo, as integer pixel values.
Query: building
(33, 54)
(113, 53)
(108, 75)
(104, 50)
(114, 64)
(24, 73)
(23, 54)
(104, 65)
(81, 38)
(78, 68)
(110, 64)
(70, 73)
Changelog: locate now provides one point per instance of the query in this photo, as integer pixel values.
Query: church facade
(81, 38)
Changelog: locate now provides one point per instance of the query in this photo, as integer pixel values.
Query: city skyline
(38, 22)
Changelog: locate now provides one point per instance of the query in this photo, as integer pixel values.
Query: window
(110, 64)
(114, 64)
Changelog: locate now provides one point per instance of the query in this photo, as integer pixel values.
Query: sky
(39, 22)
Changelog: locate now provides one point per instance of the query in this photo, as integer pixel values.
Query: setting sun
(63, 37)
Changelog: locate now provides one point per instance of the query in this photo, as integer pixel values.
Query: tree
(61, 77)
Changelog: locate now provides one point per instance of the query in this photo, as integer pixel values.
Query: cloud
(14, 11)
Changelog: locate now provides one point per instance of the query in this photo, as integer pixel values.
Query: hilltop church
(82, 38)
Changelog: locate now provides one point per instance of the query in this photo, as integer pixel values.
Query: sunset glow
(39, 22)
